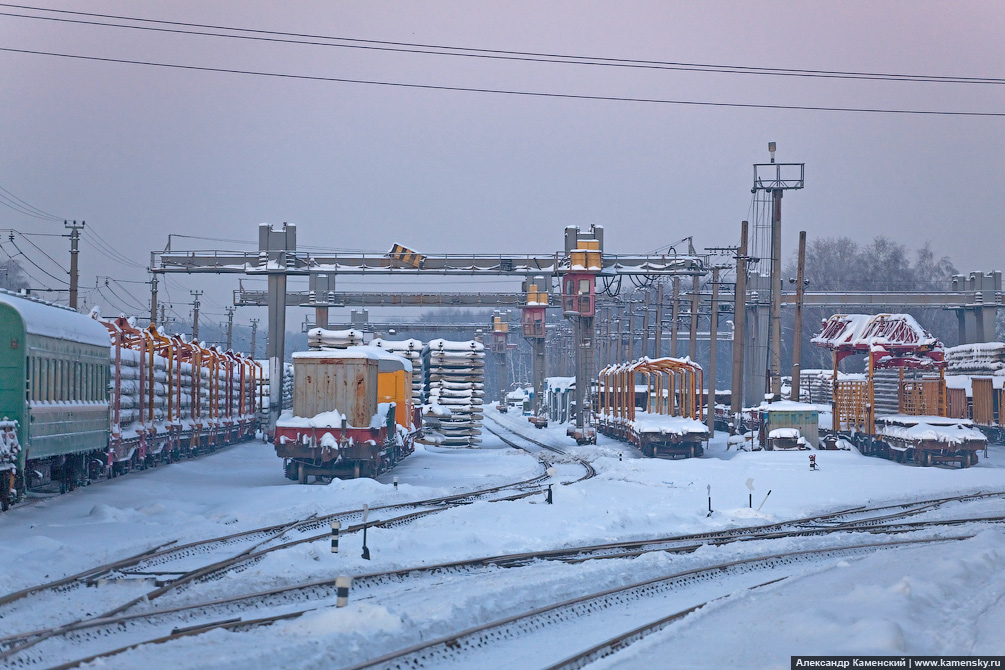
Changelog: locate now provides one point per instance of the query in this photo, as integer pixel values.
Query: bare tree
(841, 264)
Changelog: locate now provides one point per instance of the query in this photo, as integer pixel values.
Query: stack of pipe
(985, 358)
(455, 380)
(412, 350)
(320, 338)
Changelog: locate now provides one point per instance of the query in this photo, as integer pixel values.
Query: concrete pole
(645, 328)
(254, 334)
(797, 332)
(739, 321)
(74, 251)
(195, 315)
(153, 300)
(775, 335)
(658, 344)
(230, 329)
(629, 341)
(675, 316)
(693, 335)
(713, 336)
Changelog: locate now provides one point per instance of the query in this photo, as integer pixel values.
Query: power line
(471, 52)
(42, 251)
(29, 259)
(119, 297)
(498, 91)
(12, 204)
(24, 269)
(122, 257)
(17, 204)
(127, 291)
(108, 251)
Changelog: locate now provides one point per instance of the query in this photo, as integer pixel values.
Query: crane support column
(278, 250)
(579, 284)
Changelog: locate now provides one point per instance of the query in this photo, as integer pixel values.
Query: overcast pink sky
(140, 152)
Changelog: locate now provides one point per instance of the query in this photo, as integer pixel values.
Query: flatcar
(352, 414)
(86, 399)
(919, 429)
(655, 404)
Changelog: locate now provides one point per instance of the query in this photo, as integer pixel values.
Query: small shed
(789, 414)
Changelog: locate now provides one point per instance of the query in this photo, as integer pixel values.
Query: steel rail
(619, 642)
(163, 551)
(571, 555)
(479, 636)
(476, 636)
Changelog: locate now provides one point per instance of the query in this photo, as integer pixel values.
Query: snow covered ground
(944, 598)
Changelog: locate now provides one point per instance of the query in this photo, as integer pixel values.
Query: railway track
(458, 647)
(323, 593)
(590, 471)
(27, 649)
(254, 544)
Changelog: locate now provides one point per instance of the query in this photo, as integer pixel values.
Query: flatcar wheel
(301, 474)
(973, 458)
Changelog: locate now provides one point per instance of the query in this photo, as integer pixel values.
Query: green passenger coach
(54, 373)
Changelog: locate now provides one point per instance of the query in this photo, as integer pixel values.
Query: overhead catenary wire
(182, 27)
(511, 92)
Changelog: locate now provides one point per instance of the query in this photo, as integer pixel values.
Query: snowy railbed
(634, 498)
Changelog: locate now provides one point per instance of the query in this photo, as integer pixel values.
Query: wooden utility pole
(713, 336)
(797, 330)
(675, 316)
(739, 321)
(658, 344)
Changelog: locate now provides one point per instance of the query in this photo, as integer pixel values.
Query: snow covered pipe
(342, 584)
(336, 526)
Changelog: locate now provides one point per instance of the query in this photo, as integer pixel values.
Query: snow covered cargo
(351, 416)
(327, 380)
(926, 440)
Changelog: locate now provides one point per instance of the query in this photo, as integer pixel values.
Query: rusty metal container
(335, 380)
